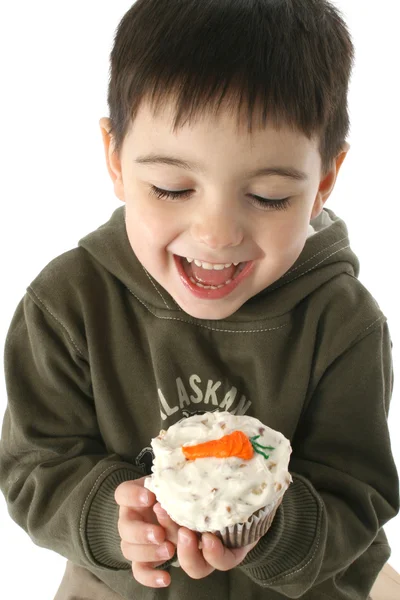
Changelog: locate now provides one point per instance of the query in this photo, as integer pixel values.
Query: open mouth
(210, 275)
(211, 280)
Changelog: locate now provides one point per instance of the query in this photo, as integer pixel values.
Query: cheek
(150, 227)
(143, 221)
(288, 239)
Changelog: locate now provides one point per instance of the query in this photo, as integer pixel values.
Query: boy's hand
(144, 535)
(145, 542)
(213, 555)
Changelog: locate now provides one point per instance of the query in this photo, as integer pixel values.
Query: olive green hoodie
(99, 358)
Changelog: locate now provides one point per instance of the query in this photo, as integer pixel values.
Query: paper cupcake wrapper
(242, 534)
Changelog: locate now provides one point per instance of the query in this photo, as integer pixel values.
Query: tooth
(197, 262)
(207, 266)
(229, 280)
(220, 286)
(207, 287)
(189, 260)
(235, 264)
(228, 265)
(213, 287)
(219, 267)
(199, 285)
(192, 279)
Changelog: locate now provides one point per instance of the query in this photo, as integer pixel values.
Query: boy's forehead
(155, 126)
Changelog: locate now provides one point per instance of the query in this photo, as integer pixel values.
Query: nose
(217, 227)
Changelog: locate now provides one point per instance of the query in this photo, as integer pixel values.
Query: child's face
(219, 222)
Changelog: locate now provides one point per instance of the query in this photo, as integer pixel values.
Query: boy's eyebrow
(160, 159)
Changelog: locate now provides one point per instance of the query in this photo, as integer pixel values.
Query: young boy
(222, 283)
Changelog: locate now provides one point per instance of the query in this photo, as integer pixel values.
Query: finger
(190, 556)
(145, 574)
(146, 553)
(170, 527)
(133, 494)
(134, 530)
(219, 556)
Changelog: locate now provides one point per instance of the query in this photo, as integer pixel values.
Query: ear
(112, 159)
(328, 182)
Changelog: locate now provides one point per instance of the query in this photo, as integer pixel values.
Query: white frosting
(208, 494)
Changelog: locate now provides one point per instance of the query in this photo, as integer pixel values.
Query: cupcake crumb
(228, 508)
(277, 486)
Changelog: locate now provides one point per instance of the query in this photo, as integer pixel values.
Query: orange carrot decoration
(233, 444)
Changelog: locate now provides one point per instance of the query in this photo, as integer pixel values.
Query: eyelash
(264, 203)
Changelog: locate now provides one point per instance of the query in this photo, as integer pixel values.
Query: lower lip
(212, 294)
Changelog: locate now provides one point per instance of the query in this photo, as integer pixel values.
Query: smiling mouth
(210, 276)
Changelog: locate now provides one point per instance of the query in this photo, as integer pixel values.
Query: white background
(55, 188)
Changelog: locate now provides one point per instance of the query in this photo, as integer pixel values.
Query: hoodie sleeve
(55, 472)
(345, 485)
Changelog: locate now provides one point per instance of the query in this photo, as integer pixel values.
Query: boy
(222, 284)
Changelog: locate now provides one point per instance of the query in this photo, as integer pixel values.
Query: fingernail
(184, 538)
(144, 497)
(151, 537)
(160, 582)
(208, 542)
(163, 552)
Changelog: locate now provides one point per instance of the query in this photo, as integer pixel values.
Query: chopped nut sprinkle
(258, 491)
(228, 508)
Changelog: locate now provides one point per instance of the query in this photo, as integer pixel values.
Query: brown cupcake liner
(242, 534)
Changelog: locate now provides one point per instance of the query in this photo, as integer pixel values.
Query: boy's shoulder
(67, 288)
(348, 313)
(66, 273)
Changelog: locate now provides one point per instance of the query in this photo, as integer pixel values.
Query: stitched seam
(320, 252)
(373, 323)
(155, 287)
(205, 326)
(89, 494)
(307, 563)
(320, 263)
(59, 322)
(355, 340)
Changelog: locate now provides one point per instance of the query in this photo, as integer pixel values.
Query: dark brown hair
(292, 59)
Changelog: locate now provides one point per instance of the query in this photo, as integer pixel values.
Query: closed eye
(265, 203)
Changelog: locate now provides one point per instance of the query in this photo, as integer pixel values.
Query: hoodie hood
(325, 255)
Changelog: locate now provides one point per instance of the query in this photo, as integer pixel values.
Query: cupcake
(221, 473)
